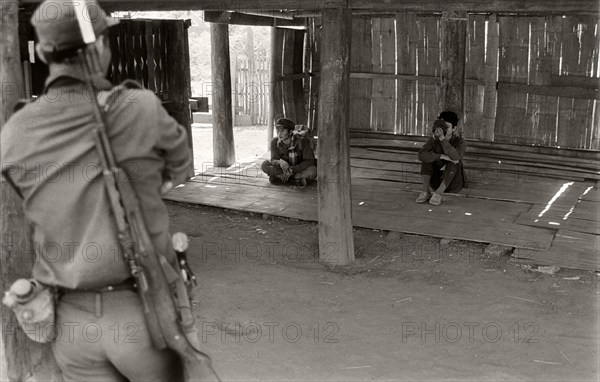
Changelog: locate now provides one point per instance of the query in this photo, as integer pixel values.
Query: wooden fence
(529, 80)
(250, 87)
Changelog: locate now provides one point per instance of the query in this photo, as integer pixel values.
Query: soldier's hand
(449, 133)
(166, 187)
(285, 167)
(446, 157)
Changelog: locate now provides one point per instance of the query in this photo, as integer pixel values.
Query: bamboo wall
(539, 86)
(153, 52)
(156, 54)
(560, 55)
(150, 52)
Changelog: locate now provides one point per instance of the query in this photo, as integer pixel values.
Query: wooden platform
(551, 219)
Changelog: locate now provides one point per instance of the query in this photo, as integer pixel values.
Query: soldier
(441, 160)
(292, 156)
(48, 153)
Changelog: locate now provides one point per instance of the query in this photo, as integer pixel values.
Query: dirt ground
(409, 308)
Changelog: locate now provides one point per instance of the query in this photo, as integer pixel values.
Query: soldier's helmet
(57, 28)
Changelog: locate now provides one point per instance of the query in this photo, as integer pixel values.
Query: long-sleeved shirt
(48, 152)
(301, 152)
(433, 149)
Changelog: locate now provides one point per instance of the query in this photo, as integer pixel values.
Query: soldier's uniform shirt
(298, 154)
(48, 151)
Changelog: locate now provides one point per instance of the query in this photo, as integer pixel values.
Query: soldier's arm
(426, 153)
(274, 151)
(172, 141)
(454, 153)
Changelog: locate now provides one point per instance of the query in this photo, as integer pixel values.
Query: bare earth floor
(410, 308)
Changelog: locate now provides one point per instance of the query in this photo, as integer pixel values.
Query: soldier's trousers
(453, 175)
(309, 173)
(103, 337)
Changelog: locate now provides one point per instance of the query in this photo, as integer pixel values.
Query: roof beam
(210, 5)
(376, 6)
(238, 18)
(481, 6)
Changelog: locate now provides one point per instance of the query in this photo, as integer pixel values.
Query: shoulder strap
(108, 97)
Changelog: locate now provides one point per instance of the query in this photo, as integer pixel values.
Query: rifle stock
(162, 291)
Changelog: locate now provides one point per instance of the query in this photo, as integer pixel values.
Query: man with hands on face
(292, 157)
(441, 157)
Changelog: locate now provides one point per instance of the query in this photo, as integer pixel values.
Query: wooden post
(223, 146)
(336, 244)
(20, 358)
(491, 77)
(297, 68)
(454, 39)
(178, 74)
(275, 93)
(315, 67)
(289, 97)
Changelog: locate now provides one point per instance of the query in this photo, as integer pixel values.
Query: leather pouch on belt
(37, 316)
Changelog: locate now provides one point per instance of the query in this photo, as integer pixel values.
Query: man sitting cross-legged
(441, 157)
(292, 157)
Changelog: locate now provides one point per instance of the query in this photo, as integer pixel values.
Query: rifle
(163, 293)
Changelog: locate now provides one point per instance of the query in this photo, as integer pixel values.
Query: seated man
(292, 157)
(441, 157)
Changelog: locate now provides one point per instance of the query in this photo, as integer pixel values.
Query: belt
(128, 284)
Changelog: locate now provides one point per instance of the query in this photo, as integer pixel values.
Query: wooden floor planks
(506, 203)
(570, 250)
(388, 208)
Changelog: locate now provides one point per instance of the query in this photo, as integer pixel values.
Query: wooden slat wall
(428, 64)
(579, 58)
(155, 53)
(407, 65)
(513, 68)
(360, 88)
(548, 51)
(383, 115)
(475, 70)
(550, 59)
(545, 57)
(140, 54)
